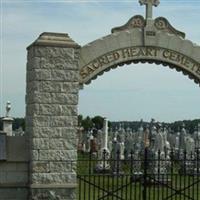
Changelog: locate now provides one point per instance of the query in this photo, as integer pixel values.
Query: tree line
(97, 122)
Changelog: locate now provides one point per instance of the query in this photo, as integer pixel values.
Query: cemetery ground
(127, 185)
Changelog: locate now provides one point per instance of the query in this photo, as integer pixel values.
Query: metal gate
(142, 176)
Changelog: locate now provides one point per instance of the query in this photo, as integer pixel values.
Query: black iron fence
(143, 175)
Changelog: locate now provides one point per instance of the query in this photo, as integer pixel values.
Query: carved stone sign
(138, 53)
(3, 146)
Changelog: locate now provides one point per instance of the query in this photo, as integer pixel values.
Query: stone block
(52, 110)
(52, 132)
(111, 42)
(64, 193)
(136, 36)
(33, 63)
(68, 166)
(162, 40)
(57, 155)
(124, 39)
(175, 43)
(68, 132)
(51, 87)
(52, 121)
(70, 87)
(36, 132)
(39, 75)
(63, 144)
(40, 143)
(34, 155)
(44, 155)
(63, 98)
(64, 75)
(58, 63)
(40, 167)
(32, 86)
(56, 178)
(187, 48)
(53, 52)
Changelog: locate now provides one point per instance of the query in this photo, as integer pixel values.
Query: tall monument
(8, 120)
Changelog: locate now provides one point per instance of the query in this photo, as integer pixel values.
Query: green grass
(94, 186)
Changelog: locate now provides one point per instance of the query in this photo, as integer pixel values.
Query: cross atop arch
(149, 7)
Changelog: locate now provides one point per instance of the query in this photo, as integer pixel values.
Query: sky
(126, 93)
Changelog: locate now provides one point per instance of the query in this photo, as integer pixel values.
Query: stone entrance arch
(56, 69)
(157, 42)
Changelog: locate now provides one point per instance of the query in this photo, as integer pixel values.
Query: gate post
(51, 116)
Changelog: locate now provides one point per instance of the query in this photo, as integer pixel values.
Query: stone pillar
(51, 116)
(104, 153)
(105, 132)
(7, 125)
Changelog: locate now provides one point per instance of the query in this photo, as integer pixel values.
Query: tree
(87, 123)
(98, 122)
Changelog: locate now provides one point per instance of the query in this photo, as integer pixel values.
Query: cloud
(124, 93)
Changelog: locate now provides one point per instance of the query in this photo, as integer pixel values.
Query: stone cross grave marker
(149, 7)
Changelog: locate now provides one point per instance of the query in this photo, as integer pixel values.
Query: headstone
(93, 145)
(183, 134)
(189, 145)
(159, 161)
(116, 161)
(166, 142)
(128, 144)
(197, 137)
(146, 138)
(8, 121)
(18, 132)
(3, 146)
(103, 153)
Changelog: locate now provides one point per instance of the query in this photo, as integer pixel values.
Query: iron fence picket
(181, 182)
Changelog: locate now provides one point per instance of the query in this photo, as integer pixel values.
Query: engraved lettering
(166, 54)
(151, 33)
(90, 69)
(133, 52)
(83, 73)
(116, 56)
(149, 52)
(139, 53)
(126, 53)
(103, 60)
(95, 65)
(186, 62)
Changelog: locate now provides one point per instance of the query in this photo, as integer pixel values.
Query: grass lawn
(93, 186)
